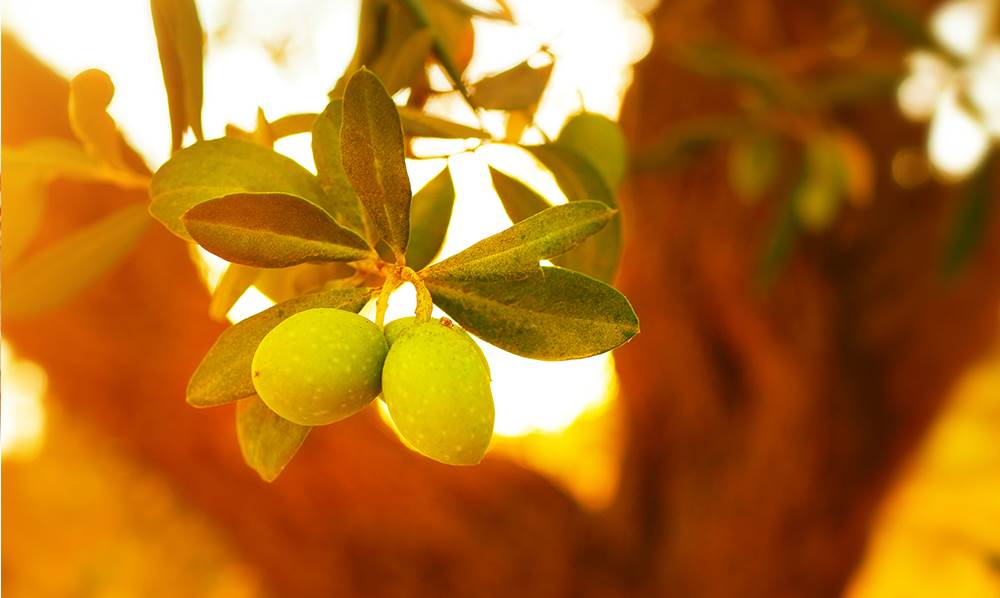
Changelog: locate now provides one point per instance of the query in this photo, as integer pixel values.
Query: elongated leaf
(977, 203)
(820, 192)
(453, 35)
(599, 141)
(552, 315)
(271, 230)
(211, 169)
(330, 167)
(429, 219)
(180, 39)
(268, 442)
(224, 373)
(59, 272)
(234, 282)
(371, 142)
(90, 92)
(519, 88)
(402, 62)
(519, 200)
(516, 252)
(420, 124)
(598, 256)
(753, 165)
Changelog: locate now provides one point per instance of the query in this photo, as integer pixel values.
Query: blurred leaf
(554, 314)
(599, 140)
(90, 92)
(519, 200)
(180, 40)
(896, 17)
(429, 218)
(267, 441)
(516, 252)
(224, 372)
(820, 190)
(977, 198)
(856, 163)
(453, 36)
(27, 172)
(399, 65)
(58, 273)
(330, 168)
(518, 122)
(681, 143)
(234, 282)
(753, 165)
(518, 88)
(417, 123)
(282, 284)
(738, 66)
(598, 256)
(502, 14)
(271, 230)
(371, 141)
(778, 247)
(210, 169)
(372, 20)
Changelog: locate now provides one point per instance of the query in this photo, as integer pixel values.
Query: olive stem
(425, 305)
(392, 281)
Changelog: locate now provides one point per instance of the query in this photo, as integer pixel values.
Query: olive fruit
(437, 386)
(319, 366)
(397, 328)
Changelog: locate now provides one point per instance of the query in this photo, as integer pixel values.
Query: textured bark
(761, 429)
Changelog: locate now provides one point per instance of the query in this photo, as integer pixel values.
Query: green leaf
(598, 256)
(330, 167)
(753, 165)
(429, 218)
(555, 314)
(180, 39)
(420, 124)
(820, 191)
(599, 141)
(234, 282)
(224, 373)
(519, 88)
(271, 230)
(968, 230)
(785, 231)
(371, 142)
(519, 200)
(58, 273)
(268, 442)
(211, 169)
(516, 252)
(90, 92)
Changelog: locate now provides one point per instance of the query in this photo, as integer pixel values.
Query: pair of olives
(322, 365)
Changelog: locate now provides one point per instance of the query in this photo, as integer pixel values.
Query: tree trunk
(762, 429)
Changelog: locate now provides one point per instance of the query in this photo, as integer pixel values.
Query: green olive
(437, 387)
(319, 366)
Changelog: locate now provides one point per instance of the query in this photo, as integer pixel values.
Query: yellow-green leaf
(180, 40)
(516, 252)
(599, 140)
(555, 314)
(224, 373)
(819, 194)
(429, 219)
(210, 169)
(371, 145)
(90, 92)
(598, 256)
(519, 200)
(519, 88)
(271, 230)
(330, 167)
(753, 165)
(59, 272)
(420, 124)
(268, 442)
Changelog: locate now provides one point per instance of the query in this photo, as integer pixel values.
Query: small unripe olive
(437, 387)
(319, 366)
(397, 328)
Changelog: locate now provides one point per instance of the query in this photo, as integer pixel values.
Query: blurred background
(812, 407)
